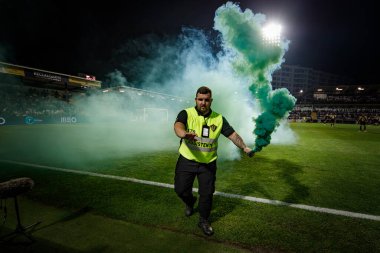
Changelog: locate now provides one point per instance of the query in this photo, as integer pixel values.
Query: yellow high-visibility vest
(202, 149)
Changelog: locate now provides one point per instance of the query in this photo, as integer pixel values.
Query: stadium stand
(51, 97)
(30, 95)
(344, 103)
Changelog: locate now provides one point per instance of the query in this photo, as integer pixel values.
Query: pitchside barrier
(31, 120)
(146, 114)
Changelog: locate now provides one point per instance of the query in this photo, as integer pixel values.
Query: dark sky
(79, 36)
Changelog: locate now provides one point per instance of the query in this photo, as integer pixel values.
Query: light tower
(272, 34)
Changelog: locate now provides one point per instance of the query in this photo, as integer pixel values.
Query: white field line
(228, 195)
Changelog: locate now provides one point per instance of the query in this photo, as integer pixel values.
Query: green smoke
(242, 34)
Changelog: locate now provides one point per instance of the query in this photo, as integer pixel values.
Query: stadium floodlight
(272, 34)
(360, 88)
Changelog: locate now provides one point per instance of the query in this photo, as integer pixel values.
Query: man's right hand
(190, 136)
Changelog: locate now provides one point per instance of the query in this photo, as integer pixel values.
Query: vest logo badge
(213, 127)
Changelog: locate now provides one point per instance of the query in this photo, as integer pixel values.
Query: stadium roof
(39, 76)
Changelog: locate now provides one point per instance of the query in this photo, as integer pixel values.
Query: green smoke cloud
(242, 34)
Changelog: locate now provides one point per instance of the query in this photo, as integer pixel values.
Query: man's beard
(203, 110)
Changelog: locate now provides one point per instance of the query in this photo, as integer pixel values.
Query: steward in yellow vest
(203, 148)
(199, 129)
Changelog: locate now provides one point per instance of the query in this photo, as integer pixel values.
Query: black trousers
(185, 174)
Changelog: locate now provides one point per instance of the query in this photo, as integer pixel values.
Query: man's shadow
(287, 172)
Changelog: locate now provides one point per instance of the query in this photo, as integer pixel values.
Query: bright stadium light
(272, 34)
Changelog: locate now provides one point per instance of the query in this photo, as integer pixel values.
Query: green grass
(63, 230)
(333, 167)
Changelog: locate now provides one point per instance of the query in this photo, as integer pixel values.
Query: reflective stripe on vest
(202, 149)
(200, 146)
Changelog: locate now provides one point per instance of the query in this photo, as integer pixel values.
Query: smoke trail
(241, 32)
(116, 78)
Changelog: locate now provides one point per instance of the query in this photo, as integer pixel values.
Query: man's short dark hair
(203, 90)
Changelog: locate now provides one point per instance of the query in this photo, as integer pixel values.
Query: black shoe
(206, 227)
(189, 210)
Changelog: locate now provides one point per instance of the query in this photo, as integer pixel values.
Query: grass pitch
(332, 167)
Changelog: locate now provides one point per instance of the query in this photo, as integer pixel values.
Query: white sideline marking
(228, 195)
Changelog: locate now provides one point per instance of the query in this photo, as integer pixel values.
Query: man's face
(203, 103)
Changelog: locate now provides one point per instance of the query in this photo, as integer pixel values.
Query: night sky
(81, 36)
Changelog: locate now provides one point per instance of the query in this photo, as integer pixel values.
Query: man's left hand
(249, 151)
